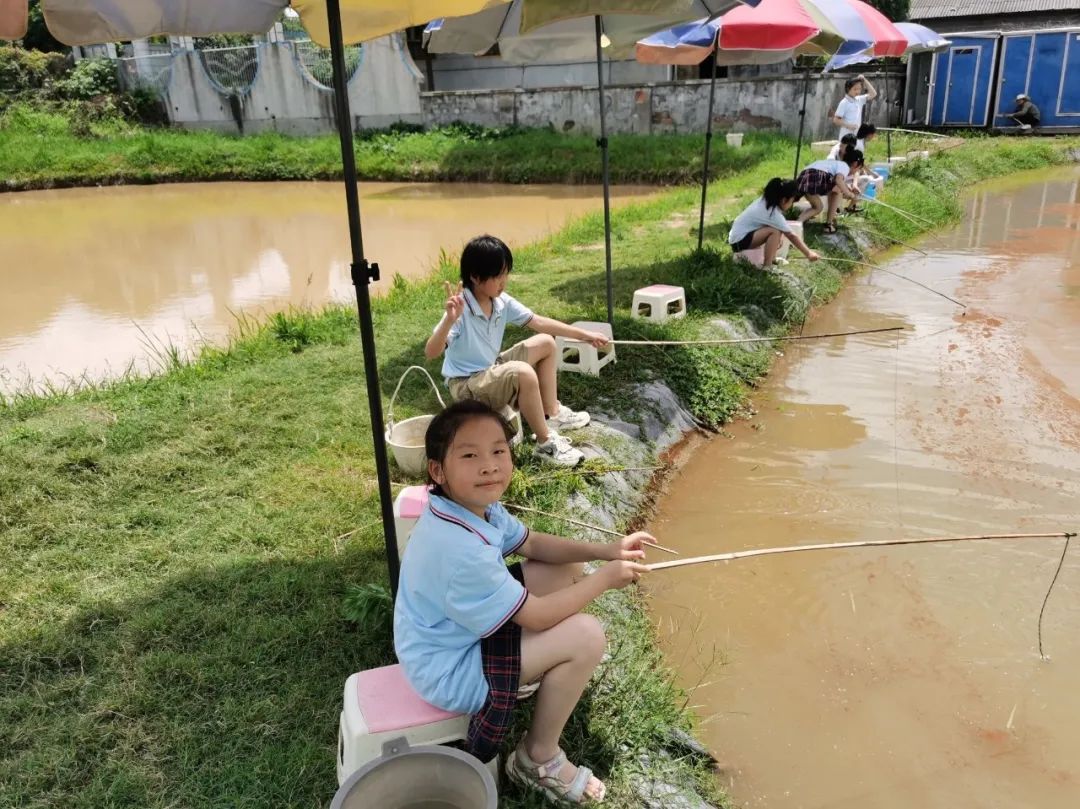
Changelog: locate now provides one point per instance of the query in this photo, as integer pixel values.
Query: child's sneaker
(568, 419)
(558, 451)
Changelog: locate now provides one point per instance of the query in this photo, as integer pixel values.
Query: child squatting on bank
(469, 631)
(524, 376)
(762, 222)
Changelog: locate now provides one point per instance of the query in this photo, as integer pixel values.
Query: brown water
(887, 678)
(91, 276)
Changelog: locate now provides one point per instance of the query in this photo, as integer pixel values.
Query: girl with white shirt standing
(848, 115)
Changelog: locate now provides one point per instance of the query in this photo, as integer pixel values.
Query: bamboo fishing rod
(866, 543)
(911, 131)
(893, 239)
(608, 531)
(897, 275)
(741, 340)
(900, 211)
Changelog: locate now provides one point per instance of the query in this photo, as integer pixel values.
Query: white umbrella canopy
(84, 22)
(537, 30)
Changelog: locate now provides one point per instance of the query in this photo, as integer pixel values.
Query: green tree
(895, 10)
(37, 36)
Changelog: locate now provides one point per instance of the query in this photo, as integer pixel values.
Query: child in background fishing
(468, 630)
(762, 222)
(828, 178)
(865, 176)
(840, 148)
(471, 332)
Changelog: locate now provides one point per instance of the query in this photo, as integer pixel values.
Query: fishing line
(1065, 550)
(897, 275)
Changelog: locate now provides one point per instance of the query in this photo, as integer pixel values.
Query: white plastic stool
(381, 706)
(785, 244)
(584, 358)
(659, 303)
(755, 256)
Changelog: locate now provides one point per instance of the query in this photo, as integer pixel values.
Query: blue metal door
(1016, 66)
(1069, 100)
(960, 92)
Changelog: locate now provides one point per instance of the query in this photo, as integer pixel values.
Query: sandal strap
(575, 791)
(551, 769)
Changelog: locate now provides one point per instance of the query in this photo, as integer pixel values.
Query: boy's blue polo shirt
(475, 340)
(454, 589)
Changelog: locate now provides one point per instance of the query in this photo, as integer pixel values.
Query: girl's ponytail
(778, 190)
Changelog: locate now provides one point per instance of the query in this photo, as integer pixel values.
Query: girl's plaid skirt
(500, 655)
(816, 182)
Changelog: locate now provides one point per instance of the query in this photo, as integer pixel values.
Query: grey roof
(938, 9)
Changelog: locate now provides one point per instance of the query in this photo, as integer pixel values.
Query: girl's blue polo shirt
(454, 589)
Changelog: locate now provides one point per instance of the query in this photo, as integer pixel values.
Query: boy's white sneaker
(558, 451)
(568, 419)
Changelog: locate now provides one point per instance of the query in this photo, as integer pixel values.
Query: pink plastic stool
(381, 706)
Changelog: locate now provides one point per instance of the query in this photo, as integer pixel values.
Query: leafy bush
(89, 78)
(23, 72)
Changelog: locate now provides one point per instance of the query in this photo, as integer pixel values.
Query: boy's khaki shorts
(496, 386)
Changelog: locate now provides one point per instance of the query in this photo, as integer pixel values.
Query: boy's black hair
(485, 257)
(850, 83)
(849, 139)
(865, 131)
(440, 433)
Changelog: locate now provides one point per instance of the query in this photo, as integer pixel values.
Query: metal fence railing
(151, 72)
(232, 70)
(316, 61)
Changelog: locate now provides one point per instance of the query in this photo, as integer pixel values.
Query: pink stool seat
(660, 288)
(388, 702)
(412, 501)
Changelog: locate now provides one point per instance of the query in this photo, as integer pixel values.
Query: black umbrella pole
(603, 144)
(802, 120)
(362, 274)
(708, 147)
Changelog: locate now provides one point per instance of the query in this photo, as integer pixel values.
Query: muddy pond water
(92, 278)
(887, 678)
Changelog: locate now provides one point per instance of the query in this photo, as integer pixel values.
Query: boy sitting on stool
(523, 376)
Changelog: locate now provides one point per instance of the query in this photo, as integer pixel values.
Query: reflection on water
(895, 677)
(91, 275)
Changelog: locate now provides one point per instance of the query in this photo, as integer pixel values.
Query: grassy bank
(40, 150)
(176, 552)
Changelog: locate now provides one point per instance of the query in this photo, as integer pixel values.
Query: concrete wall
(285, 98)
(768, 103)
(491, 73)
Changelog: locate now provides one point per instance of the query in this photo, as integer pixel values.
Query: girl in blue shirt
(468, 630)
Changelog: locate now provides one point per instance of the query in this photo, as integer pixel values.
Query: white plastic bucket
(734, 139)
(418, 778)
(406, 438)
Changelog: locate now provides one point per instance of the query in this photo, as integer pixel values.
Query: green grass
(38, 150)
(176, 562)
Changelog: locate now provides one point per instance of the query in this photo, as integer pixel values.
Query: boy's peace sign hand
(455, 301)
